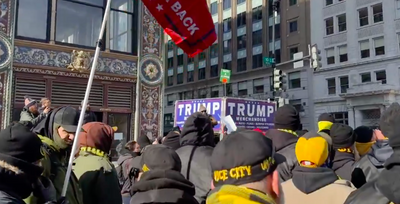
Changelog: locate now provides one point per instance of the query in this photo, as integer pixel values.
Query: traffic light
(279, 80)
(315, 57)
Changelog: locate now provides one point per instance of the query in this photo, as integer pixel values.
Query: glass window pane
(122, 5)
(92, 2)
(77, 23)
(32, 19)
(120, 31)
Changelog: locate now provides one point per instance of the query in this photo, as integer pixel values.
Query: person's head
(365, 139)
(343, 138)
(287, 117)
(20, 153)
(143, 142)
(31, 105)
(132, 146)
(197, 129)
(87, 106)
(246, 158)
(96, 137)
(172, 140)
(312, 150)
(325, 122)
(389, 125)
(45, 102)
(64, 125)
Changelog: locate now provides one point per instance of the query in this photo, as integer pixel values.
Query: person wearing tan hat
(97, 176)
(31, 113)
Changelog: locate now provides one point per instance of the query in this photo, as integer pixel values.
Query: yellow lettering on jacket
(266, 164)
(220, 175)
(347, 150)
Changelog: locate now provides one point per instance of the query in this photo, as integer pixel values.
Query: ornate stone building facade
(123, 83)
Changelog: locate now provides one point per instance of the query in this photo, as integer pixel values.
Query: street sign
(269, 60)
(225, 76)
(299, 64)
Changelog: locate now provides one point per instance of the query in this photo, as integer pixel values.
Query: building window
(381, 76)
(170, 80)
(227, 65)
(170, 99)
(377, 11)
(293, 26)
(364, 47)
(344, 84)
(293, 51)
(214, 71)
(277, 56)
(328, 2)
(202, 73)
(227, 46)
(294, 80)
(190, 76)
(241, 19)
(331, 86)
(241, 42)
(242, 88)
(214, 8)
(122, 29)
(241, 65)
(343, 53)
(229, 91)
(297, 105)
(258, 85)
(190, 60)
(227, 25)
(329, 26)
(363, 16)
(341, 117)
(365, 77)
(180, 60)
(257, 14)
(379, 44)
(240, 1)
(214, 50)
(32, 19)
(342, 23)
(202, 93)
(330, 56)
(202, 56)
(227, 4)
(179, 78)
(168, 120)
(170, 45)
(257, 38)
(277, 32)
(188, 95)
(257, 61)
(292, 2)
(214, 91)
(170, 62)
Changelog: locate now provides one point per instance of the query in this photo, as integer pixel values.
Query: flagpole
(85, 100)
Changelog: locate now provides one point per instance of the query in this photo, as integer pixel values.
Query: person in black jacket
(385, 188)
(197, 144)
(161, 180)
(284, 138)
(89, 115)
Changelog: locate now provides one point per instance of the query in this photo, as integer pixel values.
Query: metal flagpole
(85, 100)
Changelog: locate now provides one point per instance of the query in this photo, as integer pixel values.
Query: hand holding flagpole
(85, 101)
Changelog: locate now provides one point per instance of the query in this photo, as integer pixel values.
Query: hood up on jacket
(281, 139)
(308, 180)
(388, 181)
(197, 131)
(163, 186)
(230, 194)
(380, 152)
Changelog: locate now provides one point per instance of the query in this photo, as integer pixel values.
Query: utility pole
(275, 9)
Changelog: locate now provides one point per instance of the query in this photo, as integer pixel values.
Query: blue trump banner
(183, 109)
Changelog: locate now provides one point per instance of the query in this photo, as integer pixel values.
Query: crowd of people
(334, 165)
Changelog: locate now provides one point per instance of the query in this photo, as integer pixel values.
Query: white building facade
(359, 43)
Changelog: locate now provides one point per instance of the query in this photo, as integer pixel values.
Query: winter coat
(230, 194)
(343, 163)
(97, 178)
(370, 165)
(30, 117)
(123, 170)
(285, 143)
(315, 186)
(160, 186)
(89, 117)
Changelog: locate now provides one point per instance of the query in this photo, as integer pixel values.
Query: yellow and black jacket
(230, 194)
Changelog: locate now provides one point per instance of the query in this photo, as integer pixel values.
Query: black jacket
(369, 166)
(89, 117)
(285, 144)
(342, 164)
(382, 190)
(159, 186)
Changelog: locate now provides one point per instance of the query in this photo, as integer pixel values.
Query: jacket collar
(308, 180)
(281, 139)
(227, 194)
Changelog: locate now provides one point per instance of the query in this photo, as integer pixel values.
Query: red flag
(187, 22)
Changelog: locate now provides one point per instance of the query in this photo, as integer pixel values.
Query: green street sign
(269, 60)
(225, 76)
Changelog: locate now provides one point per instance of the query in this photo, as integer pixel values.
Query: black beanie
(326, 117)
(143, 141)
(389, 124)
(342, 136)
(172, 140)
(20, 147)
(287, 117)
(364, 134)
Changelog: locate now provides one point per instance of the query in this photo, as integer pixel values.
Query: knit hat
(172, 140)
(97, 135)
(158, 157)
(342, 136)
(143, 141)
(20, 148)
(245, 156)
(29, 101)
(389, 124)
(364, 134)
(287, 117)
(325, 121)
(312, 150)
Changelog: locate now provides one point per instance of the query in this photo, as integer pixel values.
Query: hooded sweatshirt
(230, 194)
(197, 144)
(124, 168)
(163, 186)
